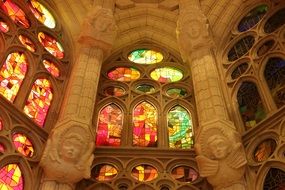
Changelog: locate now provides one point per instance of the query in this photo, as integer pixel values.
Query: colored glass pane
(11, 178)
(39, 101)
(252, 18)
(124, 74)
(27, 43)
(42, 14)
(1, 124)
(4, 26)
(275, 21)
(166, 74)
(51, 68)
(104, 172)
(177, 92)
(12, 74)
(179, 128)
(109, 126)
(144, 173)
(145, 56)
(15, 13)
(264, 150)
(51, 45)
(274, 180)
(265, 47)
(2, 148)
(114, 91)
(23, 144)
(184, 174)
(241, 48)
(145, 125)
(239, 70)
(145, 88)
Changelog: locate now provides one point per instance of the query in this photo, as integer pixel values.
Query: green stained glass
(124, 74)
(179, 128)
(177, 92)
(145, 88)
(114, 91)
(145, 56)
(166, 74)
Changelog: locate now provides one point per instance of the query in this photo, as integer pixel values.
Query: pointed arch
(275, 179)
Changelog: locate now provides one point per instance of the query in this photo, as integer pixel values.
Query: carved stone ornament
(221, 157)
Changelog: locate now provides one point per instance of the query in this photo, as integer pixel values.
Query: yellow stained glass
(144, 173)
(145, 56)
(166, 74)
(11, 178)
(104, 172)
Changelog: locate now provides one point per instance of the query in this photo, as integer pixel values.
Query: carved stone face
(71, 149)
(218, 146)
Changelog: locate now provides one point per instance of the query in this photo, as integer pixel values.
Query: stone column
(69, 150)
(221, 156)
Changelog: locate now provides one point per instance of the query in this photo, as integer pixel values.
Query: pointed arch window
(11, 177)
(275, 179)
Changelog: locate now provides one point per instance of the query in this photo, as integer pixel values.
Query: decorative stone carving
(221, 157)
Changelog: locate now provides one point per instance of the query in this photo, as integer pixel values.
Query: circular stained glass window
(184, 174)
(145, 56)
(51, 68)
(176, 92)
(264, 150)
(104, 172)
(23, 144)
(166, 74)
(27, 42)
(114, 91)
(144, 173)
(145, 88)
(124, 74)
(51, 45)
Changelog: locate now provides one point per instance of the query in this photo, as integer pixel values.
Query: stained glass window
(124, 74)
(2, 149)
(4, 27)
(144, 173)
(109, 126)
(145, 125)
(15, 13)
(39, 101)
(275, 21)
(104, 172)
(265, 47)
(166, 74)
(145, 56)
(145, 88)
(252, 18)
(250, 104)
(274, 74)
(11, 178)
(184, 174)
(23, 144)
(42, 14)
(114, 91)
(241, 48)
(12, 74)
(51, 45)
(275, 180)
(177, 92)
(51, 68)
(27, 43)
(264, 150)
(179, 128)
(1, 124)
(239, 70)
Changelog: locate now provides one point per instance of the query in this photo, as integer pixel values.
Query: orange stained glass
(114, 91)
(104, 172)
(184, 174)
(1, 124)
(144, 173)
(51, 45)
(42, 14)
(12, 74)
(145, 125)
(27, 42)
(51, 68)
(4, 27)
(124, 74)
(2, 148)
(23, 144)
(11, 178)
(15, 13)
(39, 101)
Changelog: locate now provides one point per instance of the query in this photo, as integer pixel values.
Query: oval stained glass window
(241, 48)
(4, 27)
(145, 88)
(51, 45)
(124, 74)
(184, 174)
(42, 14)
(265, 47)
(176, 92)
(23, 144)
(27, 42)
(104, 172)
(166, 74)
(11, 177)
(15, 13)
(114, 91)
(144, 173)
(275, 21)
(264, 150)
(239, 70)
(252, 18)
(145, 56)
(51, 68)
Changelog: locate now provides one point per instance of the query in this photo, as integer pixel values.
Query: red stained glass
(15, 13)
(27, 43)
(2, 149)
(144, 173)
(184, 174)
(145, 125)
(1, 124)
(124, 74)
(51, 68)
(12, 74)
(39, 101)
(23, 144)
(109, 126)
(51, 45)
(4, 26)
(11, 178)
(104, 172)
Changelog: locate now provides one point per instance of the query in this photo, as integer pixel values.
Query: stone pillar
(68, 155)
(221, 156)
